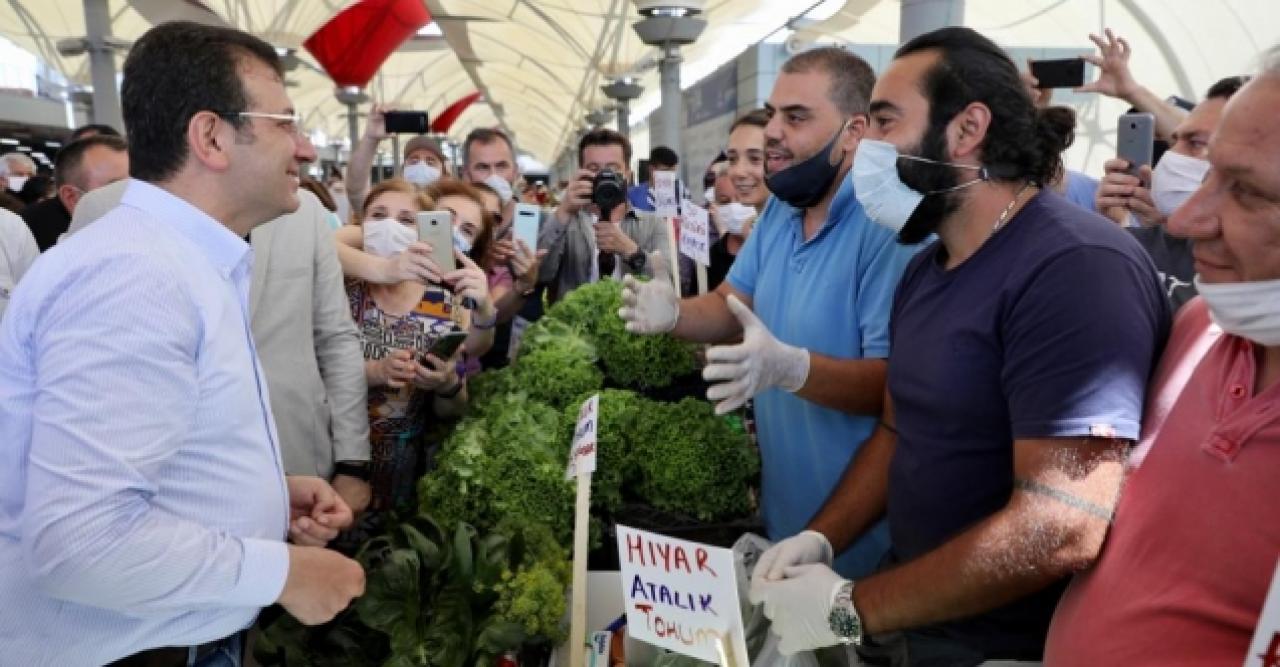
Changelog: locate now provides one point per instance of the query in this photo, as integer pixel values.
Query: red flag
(354, 44)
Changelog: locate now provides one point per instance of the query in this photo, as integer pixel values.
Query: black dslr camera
(608, 191)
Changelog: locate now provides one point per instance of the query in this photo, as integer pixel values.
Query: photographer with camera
(596, 232)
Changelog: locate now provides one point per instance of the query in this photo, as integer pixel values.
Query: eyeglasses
(290, 122)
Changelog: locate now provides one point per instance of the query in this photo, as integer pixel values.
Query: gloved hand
(760, 361)
(649, 307)
(799, 607)
(803, 548)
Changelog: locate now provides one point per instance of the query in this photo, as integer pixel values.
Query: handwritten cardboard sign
(582, 458)
(664, 194)
(1264, 650)
(695, 237)
(681, 595)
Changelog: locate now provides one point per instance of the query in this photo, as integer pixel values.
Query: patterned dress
(398, 417)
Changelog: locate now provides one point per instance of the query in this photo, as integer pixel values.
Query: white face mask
(886, 199)
(16, 183)
(421, 174)
(500, 186)
(1175, 179)
(1248, 310)
(735, 216)
(385, 237)
(461, 242)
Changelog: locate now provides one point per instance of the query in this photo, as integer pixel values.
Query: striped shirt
(142, 497)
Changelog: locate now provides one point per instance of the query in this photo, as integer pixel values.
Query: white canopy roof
(540, 63)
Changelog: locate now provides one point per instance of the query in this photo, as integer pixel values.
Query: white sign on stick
(582, 459)
(695, 237)
(1264, 650)
(681, 596)
(664, 194)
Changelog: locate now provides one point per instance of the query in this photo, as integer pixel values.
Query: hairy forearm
(360, 264)
(706, 319)
(358, 168)
(859, 499)
(853, 386)
(1045, 533)
(1167, 116)
(507, 301)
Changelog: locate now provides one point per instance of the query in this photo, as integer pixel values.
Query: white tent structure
(540, 63)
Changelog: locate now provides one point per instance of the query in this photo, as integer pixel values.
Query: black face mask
(804, 184)
(929, 178)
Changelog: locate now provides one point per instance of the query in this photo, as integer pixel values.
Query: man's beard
(925, 177)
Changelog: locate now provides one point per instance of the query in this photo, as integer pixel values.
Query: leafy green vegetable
(506, 463)
(693, 462)
(632, 360)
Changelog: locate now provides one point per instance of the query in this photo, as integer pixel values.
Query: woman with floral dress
(409, 388)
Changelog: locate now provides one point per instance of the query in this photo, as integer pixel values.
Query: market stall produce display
(483, 567)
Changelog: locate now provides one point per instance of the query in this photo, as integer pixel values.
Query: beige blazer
(302, 327)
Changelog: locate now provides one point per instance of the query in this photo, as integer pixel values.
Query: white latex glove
(803, 548)
(649, 307)
(760, 361)
(799, 607)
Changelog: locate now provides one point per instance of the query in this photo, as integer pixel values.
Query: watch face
(846, 625)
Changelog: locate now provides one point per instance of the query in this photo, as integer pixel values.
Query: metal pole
(624, 119)
(353, 123)
(670, 111)
(917, 17)
(102, 64)
(396, 161)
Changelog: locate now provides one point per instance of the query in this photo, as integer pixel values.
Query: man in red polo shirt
(1194, 543)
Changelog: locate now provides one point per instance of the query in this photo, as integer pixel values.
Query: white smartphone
(525, 227)
(435, 228)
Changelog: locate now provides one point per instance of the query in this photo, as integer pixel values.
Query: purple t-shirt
(1050, 329)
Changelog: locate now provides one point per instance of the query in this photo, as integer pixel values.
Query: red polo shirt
(1186, 567)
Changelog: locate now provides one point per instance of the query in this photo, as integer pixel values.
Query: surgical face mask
(889, 201)
(1175, 179)
(709, 195)
(1247, 310)
(385, 237)
(16, 183)
(734, 216)
(500, 186)
(461, 242)
(421, 174)
(804, 184)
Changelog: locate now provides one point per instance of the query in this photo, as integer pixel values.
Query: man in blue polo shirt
(809, 296)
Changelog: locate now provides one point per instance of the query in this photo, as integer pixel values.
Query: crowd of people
(1005, 410)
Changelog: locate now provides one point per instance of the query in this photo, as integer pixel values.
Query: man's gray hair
(488, 135)
(1271, 62)
(20, 158)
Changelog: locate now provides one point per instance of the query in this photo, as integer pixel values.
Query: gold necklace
(1004, 215)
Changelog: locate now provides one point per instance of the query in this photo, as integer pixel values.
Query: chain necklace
(1004, 215)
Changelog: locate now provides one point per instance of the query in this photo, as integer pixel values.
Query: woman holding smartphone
(408, 326)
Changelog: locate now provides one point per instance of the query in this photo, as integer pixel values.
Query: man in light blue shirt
(143, 503)
(809, 294)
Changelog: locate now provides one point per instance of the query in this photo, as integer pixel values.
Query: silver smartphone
(435, 228)
(1135, 140)
(525, 226)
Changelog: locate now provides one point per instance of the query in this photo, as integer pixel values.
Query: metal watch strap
(843, 618)
(637, 260)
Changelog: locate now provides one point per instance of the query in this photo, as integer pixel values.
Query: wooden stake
(673, 246)
(581, 532)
